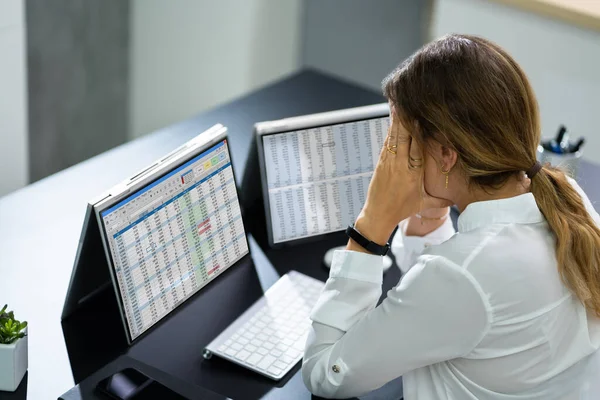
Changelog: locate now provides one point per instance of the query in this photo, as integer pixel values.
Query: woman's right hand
(396, 191)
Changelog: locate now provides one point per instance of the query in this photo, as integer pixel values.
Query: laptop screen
(317, 178)
(173, 236)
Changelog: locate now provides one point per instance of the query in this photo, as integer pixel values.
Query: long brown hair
(470, 95)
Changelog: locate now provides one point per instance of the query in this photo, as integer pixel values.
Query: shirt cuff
(358, 266)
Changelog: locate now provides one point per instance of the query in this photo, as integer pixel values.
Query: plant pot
(13, 364)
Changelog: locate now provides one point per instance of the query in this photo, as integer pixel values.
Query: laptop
(167, 232)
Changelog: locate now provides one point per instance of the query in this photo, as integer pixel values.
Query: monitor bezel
(158, 169)
(309, 121)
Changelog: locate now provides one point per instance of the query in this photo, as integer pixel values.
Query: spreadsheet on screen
(172, 237)
(317, 178)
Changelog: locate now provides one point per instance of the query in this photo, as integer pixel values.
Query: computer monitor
(315, 169)
(171, 229)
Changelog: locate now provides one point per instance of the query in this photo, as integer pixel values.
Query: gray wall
(77, 54)
(362, 40)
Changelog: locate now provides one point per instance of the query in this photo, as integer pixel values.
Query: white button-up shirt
(481, 314)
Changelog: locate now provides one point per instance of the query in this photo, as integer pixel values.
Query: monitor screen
(317, 178)
(173, 236)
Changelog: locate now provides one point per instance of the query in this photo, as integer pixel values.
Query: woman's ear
(448, 157)
(444, 156)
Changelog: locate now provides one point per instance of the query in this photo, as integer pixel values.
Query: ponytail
(577, 237)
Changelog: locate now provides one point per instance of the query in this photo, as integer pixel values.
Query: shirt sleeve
(406, 249)
(437, 312)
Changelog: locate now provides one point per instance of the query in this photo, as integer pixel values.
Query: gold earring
(446, 174)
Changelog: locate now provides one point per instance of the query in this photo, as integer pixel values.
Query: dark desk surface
(40, 224)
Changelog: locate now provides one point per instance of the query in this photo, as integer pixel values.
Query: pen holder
(568, 162)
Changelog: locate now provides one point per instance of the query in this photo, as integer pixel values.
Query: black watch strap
(365, 243)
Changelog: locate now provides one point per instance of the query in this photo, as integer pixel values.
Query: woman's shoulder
(460, 246)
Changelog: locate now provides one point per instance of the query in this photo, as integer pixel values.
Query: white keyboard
(269, 337)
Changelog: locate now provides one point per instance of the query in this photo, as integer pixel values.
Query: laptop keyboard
(270, 336)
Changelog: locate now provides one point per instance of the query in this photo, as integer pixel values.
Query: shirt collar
(521, 209)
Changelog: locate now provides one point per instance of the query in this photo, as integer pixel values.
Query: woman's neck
(515, 186)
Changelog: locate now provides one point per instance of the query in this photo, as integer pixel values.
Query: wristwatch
(365, 243)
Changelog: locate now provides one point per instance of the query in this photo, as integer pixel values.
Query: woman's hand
(396, 190)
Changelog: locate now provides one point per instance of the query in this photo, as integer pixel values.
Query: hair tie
(531, 172)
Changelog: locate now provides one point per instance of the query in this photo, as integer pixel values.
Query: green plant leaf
(22, 325)
(3, 309)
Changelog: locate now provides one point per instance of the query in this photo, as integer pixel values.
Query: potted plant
(13, 350)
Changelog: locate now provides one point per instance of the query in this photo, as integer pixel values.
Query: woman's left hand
(396, 190)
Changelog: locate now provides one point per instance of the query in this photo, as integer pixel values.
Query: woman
(507, 308)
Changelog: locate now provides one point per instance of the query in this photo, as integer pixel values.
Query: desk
(40, 224)
(40, 227)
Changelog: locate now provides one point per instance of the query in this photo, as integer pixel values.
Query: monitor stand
(387, 261)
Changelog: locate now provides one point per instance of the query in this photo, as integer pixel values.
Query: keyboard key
(242, 355)
(243, 341)
(248, 335)
(262, 351)
(268, 345)
(268, 332)
(293, 353)
(274, 339)
(266, 362)
(256, 342)
(230, 352)
(281, 346)
(286, 359)
(254, 330)
(235, 336)
(260, 325)
(251, 348)
(237, 346)
(222, 348)
(228, 342)
(285, 330)
(254, 359)
(287, 341)
(262, 336)
(276, 353)
(280, 364)
(280, 333)
(274, 370)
